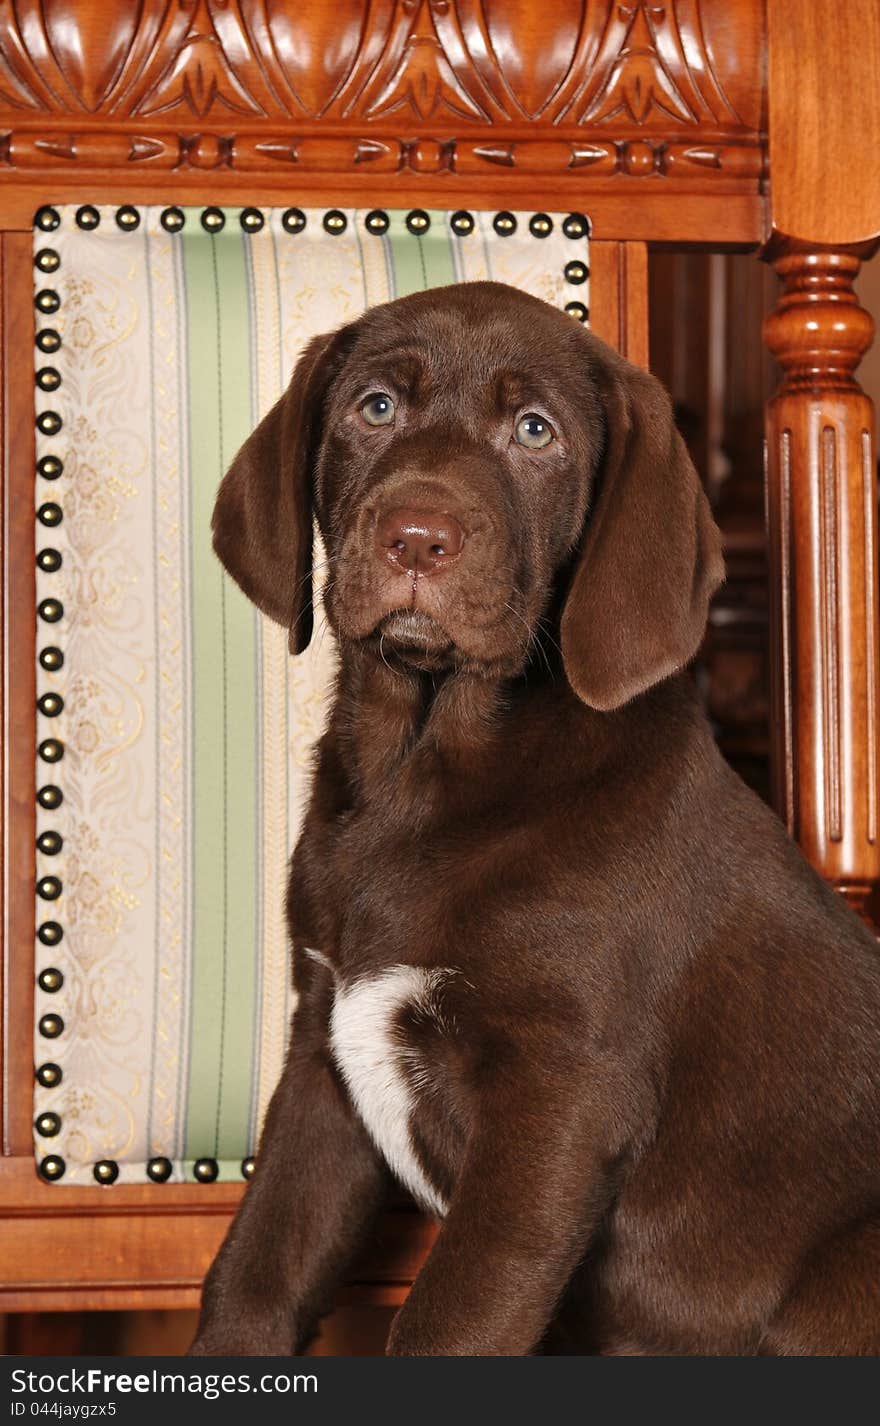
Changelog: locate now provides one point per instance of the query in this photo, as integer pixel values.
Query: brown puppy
(557, 967)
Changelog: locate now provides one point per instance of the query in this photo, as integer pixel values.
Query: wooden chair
(693, 123)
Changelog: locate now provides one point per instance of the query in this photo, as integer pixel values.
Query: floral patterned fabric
(184, 728)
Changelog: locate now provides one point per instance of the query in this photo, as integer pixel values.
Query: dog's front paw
(242, 1339)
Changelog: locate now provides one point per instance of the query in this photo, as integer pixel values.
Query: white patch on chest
(372, 1062)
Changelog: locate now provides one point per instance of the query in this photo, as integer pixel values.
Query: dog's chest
(384, 1067)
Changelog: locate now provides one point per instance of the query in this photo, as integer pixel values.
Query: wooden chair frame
(697, 122)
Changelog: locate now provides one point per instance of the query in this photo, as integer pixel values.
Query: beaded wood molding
(606, 93)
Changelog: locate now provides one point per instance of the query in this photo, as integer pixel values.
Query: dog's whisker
(382, 654)
(533, 639)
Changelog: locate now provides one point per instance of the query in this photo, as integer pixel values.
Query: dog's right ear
(263, 513)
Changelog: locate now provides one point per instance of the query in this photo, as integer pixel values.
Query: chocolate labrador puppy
(557, 968)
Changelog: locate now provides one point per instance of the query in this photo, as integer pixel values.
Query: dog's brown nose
(419, 541)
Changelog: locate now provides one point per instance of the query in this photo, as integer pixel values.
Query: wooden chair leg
(822, 535)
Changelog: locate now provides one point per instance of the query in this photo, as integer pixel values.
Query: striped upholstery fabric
(185, 731)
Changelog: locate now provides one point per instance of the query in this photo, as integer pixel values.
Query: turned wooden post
(822, 528)
(823, 220)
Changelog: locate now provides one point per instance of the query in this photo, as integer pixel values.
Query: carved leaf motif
(15, 92)
(199, 76)
(315, 46)
(21, 84)
(90, 45)
(533, 65)
(638, 78)
(415, 73)
(612, 65)
(649, 67)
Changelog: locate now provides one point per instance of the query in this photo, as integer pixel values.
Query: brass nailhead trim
(160, 1170)
(52, 1167)
(50, 933)
(47, 219)
(51, 1026)
(48, 340)
(47, 300)
(50, 843)
(47, 1125)
(50, 797)
(377, 222)
(49, 1075)
(106, 1171)
(576, 225)
(50, 979)
(50, 467)
(50, 514)
(205, 1170)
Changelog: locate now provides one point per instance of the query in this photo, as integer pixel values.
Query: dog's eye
(533, 431)
(378, 409)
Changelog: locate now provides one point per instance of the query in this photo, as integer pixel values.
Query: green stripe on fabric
(406, 257)
(224, 712)
(419, 262)
(437, 251)
(242, 717)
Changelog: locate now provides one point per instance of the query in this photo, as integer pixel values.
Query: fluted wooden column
(823, 217)
(822, 528)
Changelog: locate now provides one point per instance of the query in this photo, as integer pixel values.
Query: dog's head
(467, 451)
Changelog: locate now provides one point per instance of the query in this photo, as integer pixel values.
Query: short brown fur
(656, 1115)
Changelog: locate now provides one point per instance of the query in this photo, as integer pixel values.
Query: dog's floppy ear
(263, 513)
(651, 555)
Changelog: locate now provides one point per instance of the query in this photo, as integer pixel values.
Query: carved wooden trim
(777, 512)
(171, 91)
(163, 149)
(822, 522)
(19, 694)
(157, 1243)
(829, 588)
(619, 67)
(871, 672)
(619, 297)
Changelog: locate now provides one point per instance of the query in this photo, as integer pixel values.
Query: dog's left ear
(262, 521)
(651, 555)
